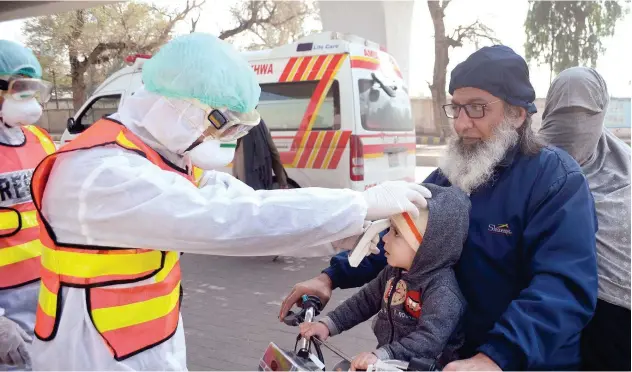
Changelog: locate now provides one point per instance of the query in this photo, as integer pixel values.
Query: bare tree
(274, 23)
(443, 42)
(92, 38)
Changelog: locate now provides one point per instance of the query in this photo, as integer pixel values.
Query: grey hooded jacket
(417, 311)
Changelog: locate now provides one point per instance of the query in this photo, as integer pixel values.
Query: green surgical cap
(203, 67)
(18, 60)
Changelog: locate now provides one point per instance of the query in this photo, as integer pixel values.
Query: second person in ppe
(22, 147)
(118, 203)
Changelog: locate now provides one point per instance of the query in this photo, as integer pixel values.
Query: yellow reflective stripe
(197, 175)
(8, 220)
(170, 261)
(92, 265)
(49, 146)
(47, 301)
(117, 317)
(20, 252)
(123, 141)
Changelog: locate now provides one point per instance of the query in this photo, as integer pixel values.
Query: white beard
(470, 166)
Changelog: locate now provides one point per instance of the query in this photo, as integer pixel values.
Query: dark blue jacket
(528, 269)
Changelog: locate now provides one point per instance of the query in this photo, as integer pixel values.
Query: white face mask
(208, 155)
(15, 113)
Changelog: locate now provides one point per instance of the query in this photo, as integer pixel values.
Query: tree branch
(474, 31)
(244, 24)
(194, 23)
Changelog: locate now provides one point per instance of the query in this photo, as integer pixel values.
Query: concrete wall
(56, 114)
(617, 118)
(387, 23)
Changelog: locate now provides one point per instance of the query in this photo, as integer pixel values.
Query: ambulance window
(282, 105)
(380, 112)
(100, 107)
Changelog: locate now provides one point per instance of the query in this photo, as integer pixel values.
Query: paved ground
(231, 304)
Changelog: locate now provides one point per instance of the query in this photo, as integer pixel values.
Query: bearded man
(528, 268)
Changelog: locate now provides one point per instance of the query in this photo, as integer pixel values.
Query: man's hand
(362, 361)
(479, 362)
(317, 329)
(319, 286)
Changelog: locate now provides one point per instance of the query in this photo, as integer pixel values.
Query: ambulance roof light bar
(306, 43)
(131, 59)
(356, 39)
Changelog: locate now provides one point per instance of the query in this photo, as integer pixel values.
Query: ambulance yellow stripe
(290, 77)
(332, 148)
(299, 151)
(324, 67)
(308, 70)
(312, 156)
(322, 97)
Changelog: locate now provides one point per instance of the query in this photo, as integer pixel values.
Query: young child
(416, 297)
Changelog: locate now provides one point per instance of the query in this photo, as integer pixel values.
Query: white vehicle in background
(335, 104)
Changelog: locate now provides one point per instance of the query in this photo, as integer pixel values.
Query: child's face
(398, 252)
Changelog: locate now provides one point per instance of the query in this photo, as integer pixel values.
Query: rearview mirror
(73, 127)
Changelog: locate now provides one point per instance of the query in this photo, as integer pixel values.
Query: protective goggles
(21, 89)
(225, 125)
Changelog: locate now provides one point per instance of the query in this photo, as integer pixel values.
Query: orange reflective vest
(20, 246)
(130, 319)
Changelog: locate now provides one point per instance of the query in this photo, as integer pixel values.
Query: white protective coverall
(20, 73)
(109, 196)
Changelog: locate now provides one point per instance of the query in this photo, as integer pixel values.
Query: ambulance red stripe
(322, 152)
(340, 149)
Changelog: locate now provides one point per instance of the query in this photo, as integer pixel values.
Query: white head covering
(573, 120)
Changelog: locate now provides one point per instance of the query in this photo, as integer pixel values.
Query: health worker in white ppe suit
(118, 204)
(22, 147)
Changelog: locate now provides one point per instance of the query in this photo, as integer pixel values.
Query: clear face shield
(22, 99)
(23, 89)
(225, 125)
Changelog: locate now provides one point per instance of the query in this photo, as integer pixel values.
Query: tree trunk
(438, 86)
(77, 70)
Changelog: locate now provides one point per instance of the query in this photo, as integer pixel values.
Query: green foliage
(564, 34)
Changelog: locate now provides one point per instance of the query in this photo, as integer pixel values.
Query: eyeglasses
(473, 110)
(26, 88)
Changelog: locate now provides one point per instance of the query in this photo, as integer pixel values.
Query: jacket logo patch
(413, 304)
(500, 229)
(400, 292)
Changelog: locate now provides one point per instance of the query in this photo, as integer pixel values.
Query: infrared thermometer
(363, 244)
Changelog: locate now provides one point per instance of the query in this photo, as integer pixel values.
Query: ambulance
(336, 105)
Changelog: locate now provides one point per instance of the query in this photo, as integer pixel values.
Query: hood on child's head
(446, 231)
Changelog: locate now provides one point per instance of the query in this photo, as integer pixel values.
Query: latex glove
(348, 244)
(394, 197)
(232, 184)
(13, 342)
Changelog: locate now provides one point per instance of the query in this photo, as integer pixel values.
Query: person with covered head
(528, 269)
(22, 147)
(118, 204)
(573, 120)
